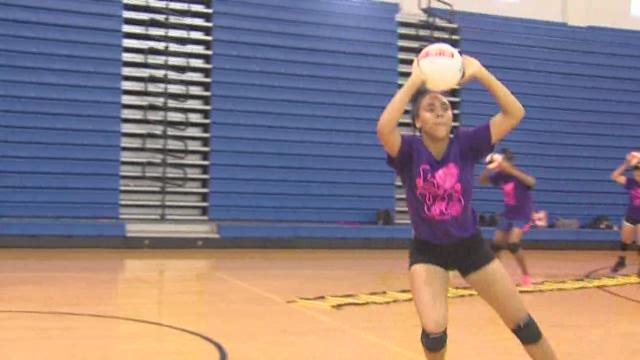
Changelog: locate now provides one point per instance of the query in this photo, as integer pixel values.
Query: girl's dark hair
(416, 100)
(507, 154)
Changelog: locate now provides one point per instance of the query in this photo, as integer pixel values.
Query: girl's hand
(505, 166)
(472, 68)
(416, 73)
(493, 161)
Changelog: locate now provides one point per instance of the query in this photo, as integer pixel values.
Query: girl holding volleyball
(437, 173)
(516, 187)
(630, 230)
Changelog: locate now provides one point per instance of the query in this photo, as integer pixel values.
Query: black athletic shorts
(466, 255)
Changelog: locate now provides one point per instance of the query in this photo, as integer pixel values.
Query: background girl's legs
(627, 236)
(494, 285)
(514, 246)
(429, 286)
(638, 244)
(499, 243)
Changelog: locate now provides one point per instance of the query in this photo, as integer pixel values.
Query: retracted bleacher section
(581, 87)
(297, 87)
(297, 90)
(60, 72)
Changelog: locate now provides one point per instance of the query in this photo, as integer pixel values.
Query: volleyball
(441, 65)
(633, 158)
(493, 160)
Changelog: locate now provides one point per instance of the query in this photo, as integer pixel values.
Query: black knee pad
(528, 331)
(513, 247)
(434, 343)
(497, 247)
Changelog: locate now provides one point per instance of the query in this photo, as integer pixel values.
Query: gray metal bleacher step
(152, 162)
(172, 61)
(177, 7)
(413, 19)
(164, 49)
(419, 32)
(172, 133)
(170, 106)
(152, 189)
(172, 229)
(157, 88)
(415, 31)
(141, 18)
(133, 30)
(171, 75)
(203, 177)
(176, 217)
(137, 116)
(166, 81)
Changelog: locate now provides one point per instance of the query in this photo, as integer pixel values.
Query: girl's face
(434, 117)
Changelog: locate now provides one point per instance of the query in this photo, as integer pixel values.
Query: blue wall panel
(60, 96)
(297, 90)
(581, 103)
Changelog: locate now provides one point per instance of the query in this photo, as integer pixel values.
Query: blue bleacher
(58, 122)
(342, 14)
(302, 95)
(581, 110)
(318, 234)
(59, 151)
(62, 228)
(84, 14)
(286, 162)
(235, 75)
(312, 231)
(51, 63)
(259, 186)
(296, 148)
(290, 121)
(60, 103)
(293, 217)
(48, 181)
(357, 177)
(15, 28)
(49, 210)
(319, 30)
(307, 68)
(581, 120)
(297, 89)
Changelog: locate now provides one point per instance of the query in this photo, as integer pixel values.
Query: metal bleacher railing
(166, 102)
(414, 33)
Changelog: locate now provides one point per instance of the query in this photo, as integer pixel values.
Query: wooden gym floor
(241, 304)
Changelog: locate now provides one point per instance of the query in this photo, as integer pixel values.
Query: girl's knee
(514, 247)
(527, 331)
(434, 342)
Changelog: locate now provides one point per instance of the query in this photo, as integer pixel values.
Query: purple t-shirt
(516, 196)
(633, 210)
(439, 191)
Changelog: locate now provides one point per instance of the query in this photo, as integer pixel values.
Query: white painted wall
(609, 13)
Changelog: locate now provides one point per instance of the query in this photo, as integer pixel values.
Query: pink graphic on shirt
(635, 196)
(441, 192)
(509, 193)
